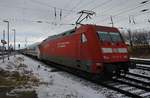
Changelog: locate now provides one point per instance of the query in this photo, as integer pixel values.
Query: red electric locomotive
(89, 48)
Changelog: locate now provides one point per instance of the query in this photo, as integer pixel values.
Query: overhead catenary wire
(125, 7)
(74, 7)
(102, 4)
(107, 9)
(62, 10)
(35, 10)
(130, 19)
(125, 11)
(85, 5)
(121, 10)
(48, 5)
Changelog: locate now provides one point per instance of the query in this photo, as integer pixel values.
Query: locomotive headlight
(98, 64)
(122, 50)
(107, 50)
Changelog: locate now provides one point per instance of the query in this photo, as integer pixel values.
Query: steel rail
(143, 67)
(137, 75)
(140, 61)
(136, 80)
(133, 85)
(127, 93)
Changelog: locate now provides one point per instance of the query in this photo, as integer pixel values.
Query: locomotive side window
(83, 38)
(104, 36)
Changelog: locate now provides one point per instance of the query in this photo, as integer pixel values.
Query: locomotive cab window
(83, 38)
(104, 36)
(110, 36)
(116, 37)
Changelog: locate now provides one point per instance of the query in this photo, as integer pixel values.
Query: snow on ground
(141, 72)
(58, 84)
(53, 84)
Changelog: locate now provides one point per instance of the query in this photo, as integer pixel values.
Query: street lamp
(8, 35)
(14, 41)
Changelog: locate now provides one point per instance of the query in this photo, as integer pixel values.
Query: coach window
(83, 38)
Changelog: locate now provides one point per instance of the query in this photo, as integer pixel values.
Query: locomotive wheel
(100, 77)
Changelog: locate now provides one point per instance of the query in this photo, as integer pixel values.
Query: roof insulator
(143, 2)
(144, 10)
(39, 21)
(149, 20)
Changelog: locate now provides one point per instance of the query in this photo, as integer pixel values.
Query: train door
(82, 47)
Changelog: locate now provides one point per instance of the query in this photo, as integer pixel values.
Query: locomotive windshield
(104, 36)
(115, 36)
(110, 36)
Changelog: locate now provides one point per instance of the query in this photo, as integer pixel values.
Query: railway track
(147, 62)
(142, 67)
(113, 86)
(130, 87)
(125, 86)
(136, 80)
(120, 84)
(138, 66)
(137, 75)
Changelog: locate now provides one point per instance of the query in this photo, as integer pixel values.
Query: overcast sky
(24, 14)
